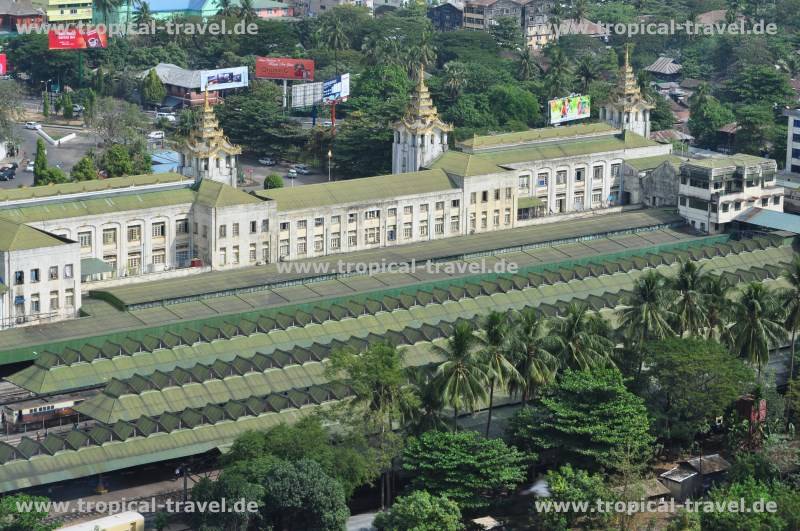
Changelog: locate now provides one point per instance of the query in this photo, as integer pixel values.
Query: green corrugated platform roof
(88, 186)
(18, 237)
(464, 164)
(533, 135)
(213, 194)
(359, 190)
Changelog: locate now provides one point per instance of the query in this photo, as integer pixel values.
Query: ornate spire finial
(627, 55)
(206, 106)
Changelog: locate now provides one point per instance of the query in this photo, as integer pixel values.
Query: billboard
(3, 64)
(306, 94)
(224, 78)
(337, 89)
(285, 68)
(569, 108)
(74, 39)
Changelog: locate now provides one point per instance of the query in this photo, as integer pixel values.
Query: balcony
(53, 15)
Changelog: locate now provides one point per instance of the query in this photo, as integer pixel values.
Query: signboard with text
(336, 90)
(285, 68)
(224, 78)
(306, 94)
(74, 39)
(569, 108)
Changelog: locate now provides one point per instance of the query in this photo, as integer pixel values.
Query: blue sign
(337, 89)
(19, 299)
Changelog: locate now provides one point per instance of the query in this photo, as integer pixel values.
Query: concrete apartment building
(793, 141)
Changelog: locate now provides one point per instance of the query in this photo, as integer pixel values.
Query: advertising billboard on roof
(569, 108)
(224, 78)
(285, 68)
(74, 39)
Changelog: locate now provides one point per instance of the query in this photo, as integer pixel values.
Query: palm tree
(226, 8)
(526, 66)
(332, 34)
(646, 314)
(791, 300)
(583, 338)
(455, 78)
(559, 78)
(534, 357)
(718, 307)
(757, 327)
(247, 11)
(461, 376)
(587, 71)
(496, 356)
(106, 6)
(579, 10)
(426, 414)
(143, 15)
(691, 313)
(422, 51)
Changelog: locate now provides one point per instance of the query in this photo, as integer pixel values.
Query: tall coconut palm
(579, 10)
(791, 301)
(461, 376)
(426, 414)
(718, 306)
(689, 306)
(105, 7)
(143, 15)
(226, 8)
(497, 356)
(332, 34)
(526, 65)
(559, 78)
(587, 71)
(423, 51)
(757, 325)
(646, 313)
(534, 353)
(247, 10)
(583, 338)
(455, 78)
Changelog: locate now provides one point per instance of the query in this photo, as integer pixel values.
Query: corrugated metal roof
(464, 164)
(771, 219)
(17, 237)
(214, 194)
(114, 183)
(665, 66)
(533, 135)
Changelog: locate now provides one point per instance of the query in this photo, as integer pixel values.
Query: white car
(168, 116)
(29, 167)
(32, 125)
(156, 135)
(291, 174)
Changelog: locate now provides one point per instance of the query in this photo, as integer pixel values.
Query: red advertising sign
(3, 65)
(285, 68)
(73, 39)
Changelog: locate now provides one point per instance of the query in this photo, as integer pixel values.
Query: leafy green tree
(14, 514)
(161, 521)
(791, 301)
(716, 289)
(463, 466)
(507, 32)
(420, 511)
(560, 76)
(583, 338)
(707, 115)
(273, 180)
(760, 84)
(534, 353)
(461, 376)
(84, 169)
(497, 357)
(152, 89)
(116, 161)
(588, 416)
(39, 163)
(571, 485)
(756, 123)
(757, 325)
(46, 106)
(661, 116)
(691, 315)
(510, 103)
(750, 491)
(527, 68)
(105, 7)
(691, 382)
(67, 106)
(587, 72)
(752, 465)
(455, 78)
(144, 15)
(301, 496)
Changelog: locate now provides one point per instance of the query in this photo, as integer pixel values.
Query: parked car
(13, 165)
(156, 135)
(168, 116)
(29, 167)
(292, 173)
(302, 169)
(32, 125)
(266, 161)
(77, 108)
(8, 173)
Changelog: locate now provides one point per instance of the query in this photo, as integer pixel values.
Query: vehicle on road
(266, 161)
(77, 108)
(302, 169)
(8, 174)
(327, 123)
(292, 173)
(32, 125)
(7, 166)
(168, 116)
(156, 135)
(29, 167)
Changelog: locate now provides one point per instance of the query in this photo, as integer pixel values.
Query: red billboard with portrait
(285, 68)
(3, 64)
(73, 39)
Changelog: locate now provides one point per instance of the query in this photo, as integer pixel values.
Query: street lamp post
(330, 156)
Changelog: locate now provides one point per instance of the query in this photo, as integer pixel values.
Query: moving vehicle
(32, 125)
(266, 161)
(77, 108)
(156, 135)
(292, 173)
(29, 167)
(35, 414)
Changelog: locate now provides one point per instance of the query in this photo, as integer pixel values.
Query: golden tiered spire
(207, 137)
(421, 112)
(629, 95)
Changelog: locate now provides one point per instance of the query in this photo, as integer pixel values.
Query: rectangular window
(423, 227)
(253, 226)
(726, 207)
(159, 257)
(223, 231)
(283, 248)
(335, 220)
(776, 200)
(319, 243)
(19, 278)
(524, 181)
(484, 220)
(109, 236)
(251, 256)
(301, 245)
(439, 205)
(438, 227)
(472, 198)
(68, 271)
(111, 260)
(497, 194)
(765, 201)
(235, 230)
(496, 218)
(455, 203)
(264, 225)
(35, 306)
(392, 212)
(301, 224)
(561, 177)
(336, 241)
(596, 198)
(85, 239)
(182, 226)
(53, 301)
(265, 252)
(372, 235)
(485, 196)
(454, 224)
(541, 180)
(598, 173)
(318, 222)
(615, 170)
(205, 231)
(158, 230)
(135, 233)
(352, 217)
(35, 275)
(194, 228)
(423, 209)
(737, 205)
(508, 192)
(53, 273)
(472, 221)
(134, 263)
(284, 225)
(507, 216)
(223, 256)
(391, 233)
(352, 238)
(69, 298)
(579, 175)
(372, 214)
(406, 231)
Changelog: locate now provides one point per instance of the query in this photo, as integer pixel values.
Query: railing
(36, 318)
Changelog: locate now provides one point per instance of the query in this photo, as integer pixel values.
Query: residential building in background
(14, 13)
(448, 16)
(69, 11)
(793, 141)
(483, 14)
(182, 85)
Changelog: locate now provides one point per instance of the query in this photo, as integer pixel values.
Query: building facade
(793, 141)
(483, 14)
(14, 13)
(627, 108)
(448, 16)
(69, 11)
